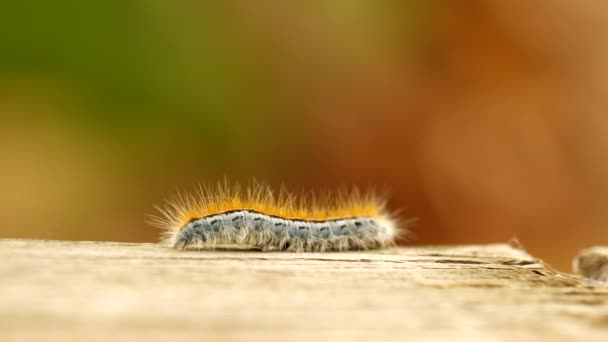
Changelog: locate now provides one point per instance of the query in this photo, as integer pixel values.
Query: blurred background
(485, 119)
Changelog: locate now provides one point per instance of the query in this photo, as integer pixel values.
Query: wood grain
(100, 291)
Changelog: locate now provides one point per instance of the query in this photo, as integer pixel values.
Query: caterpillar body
(258, 218)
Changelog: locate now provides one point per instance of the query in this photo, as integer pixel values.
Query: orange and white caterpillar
(263, 219)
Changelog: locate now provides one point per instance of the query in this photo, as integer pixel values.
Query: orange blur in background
(485, 119)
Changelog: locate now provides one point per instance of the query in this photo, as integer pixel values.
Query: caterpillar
(261, 218)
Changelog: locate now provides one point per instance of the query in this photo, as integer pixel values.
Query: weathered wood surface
(97, 291)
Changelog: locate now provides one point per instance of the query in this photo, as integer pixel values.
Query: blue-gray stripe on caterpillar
(273, 233)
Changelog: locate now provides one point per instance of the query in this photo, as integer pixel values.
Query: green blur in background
(142, 69)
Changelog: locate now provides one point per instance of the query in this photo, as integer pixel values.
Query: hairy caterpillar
(270, 221)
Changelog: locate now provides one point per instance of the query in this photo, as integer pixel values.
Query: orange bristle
(182, 208)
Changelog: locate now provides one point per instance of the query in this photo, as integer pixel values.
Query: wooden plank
(100, 291)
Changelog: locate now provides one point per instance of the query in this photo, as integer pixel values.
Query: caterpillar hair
(277, 221)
